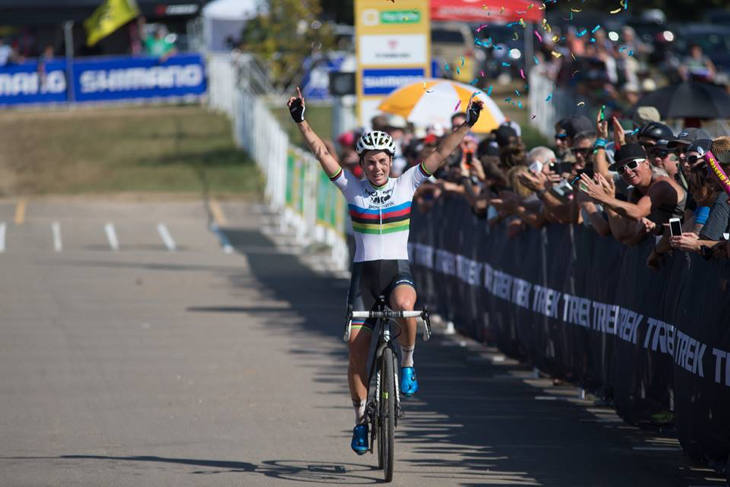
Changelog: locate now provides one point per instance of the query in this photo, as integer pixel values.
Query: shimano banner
(103, 79)
(126, 78)
(31, 82)
(586, 308)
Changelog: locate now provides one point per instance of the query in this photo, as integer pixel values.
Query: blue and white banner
(384, 81)
(127, 78)
(103, 79)
(30, 82)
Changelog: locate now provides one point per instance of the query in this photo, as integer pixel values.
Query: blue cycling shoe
(360, 439)
(408, 381)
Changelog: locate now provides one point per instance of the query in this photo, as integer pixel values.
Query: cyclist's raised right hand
(296, 106)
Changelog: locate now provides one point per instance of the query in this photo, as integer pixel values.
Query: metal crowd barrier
(308, 204)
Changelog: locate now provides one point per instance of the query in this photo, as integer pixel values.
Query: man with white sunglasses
(653, 201)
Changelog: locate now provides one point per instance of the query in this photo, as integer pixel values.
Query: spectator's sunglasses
(582, 151)
(561, 136)
(660, 153)
(695, 162)
(633, 165)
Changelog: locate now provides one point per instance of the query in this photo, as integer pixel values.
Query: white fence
(296, 187)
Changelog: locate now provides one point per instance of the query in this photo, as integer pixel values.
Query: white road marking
(2, 236)
(57, 244)
(657, 448)
(111, 235)
(166, 237)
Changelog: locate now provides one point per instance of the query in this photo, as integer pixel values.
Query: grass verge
(172, 149)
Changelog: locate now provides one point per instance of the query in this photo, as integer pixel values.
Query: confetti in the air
(534, 58)
(581, 103)
(457, 105)
(519, 103)
(481, 27)
(481, 73)
(457, 70)
(462, 61)
(489, 90)
(530, 6)
(522, 73)
(506, 64)
(556, 54)
(576, 10)
(515, 36)
(549, 97)
(501, 11)
(582, 33)
(575, 72)
(474, 81)
(517, 92)
(533, 117)
(537, 34)
(595, 29)
(615, 11)
(523, 24)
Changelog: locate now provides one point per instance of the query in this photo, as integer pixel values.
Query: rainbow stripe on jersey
(394, 219)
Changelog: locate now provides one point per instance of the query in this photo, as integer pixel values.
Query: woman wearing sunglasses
(652, 202)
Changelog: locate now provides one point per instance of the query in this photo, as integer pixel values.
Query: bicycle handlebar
(388, 314)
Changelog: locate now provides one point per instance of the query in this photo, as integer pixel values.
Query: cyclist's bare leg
(403, 298)
(357, 372)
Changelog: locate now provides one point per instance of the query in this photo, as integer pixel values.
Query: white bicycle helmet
(375, 140)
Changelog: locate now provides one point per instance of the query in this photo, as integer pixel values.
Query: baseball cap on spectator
(626, 154)
(700, 146)
(346, 139)
(578, 125)
(688, 136)
(397, 122)
(503, 133)
(644, 115)
(437, 129)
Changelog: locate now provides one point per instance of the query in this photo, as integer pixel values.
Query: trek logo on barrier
(628, 325)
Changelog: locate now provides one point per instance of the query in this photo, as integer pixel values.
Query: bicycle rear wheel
(387, 414)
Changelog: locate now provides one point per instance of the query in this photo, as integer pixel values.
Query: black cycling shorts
(375, 278)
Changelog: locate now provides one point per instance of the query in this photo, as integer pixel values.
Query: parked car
(713, 39)
(452, 44)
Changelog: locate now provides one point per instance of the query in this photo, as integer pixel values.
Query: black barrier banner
(585, 308)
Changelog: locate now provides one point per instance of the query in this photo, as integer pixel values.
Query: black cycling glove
(297, 110)
(472, 114)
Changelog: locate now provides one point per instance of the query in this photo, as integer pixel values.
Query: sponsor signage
(393, 50)
(28, 83)
(384, 81)
(103, 79)
(393, 44)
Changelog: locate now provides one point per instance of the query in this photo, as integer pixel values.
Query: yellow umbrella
(434, 101)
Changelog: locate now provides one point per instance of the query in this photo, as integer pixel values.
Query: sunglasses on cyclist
(633, 165)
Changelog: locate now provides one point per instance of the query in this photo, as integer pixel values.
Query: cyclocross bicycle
(384, 409)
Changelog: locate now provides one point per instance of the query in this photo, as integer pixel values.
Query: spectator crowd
(626, 186)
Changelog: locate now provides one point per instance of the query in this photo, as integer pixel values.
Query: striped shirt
(381, 217)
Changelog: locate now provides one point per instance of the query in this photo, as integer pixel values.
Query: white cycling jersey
(381, 217)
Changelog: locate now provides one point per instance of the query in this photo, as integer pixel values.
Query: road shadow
(292, 470)
(474, 422)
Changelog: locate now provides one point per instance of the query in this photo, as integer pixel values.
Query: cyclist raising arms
(380, 209)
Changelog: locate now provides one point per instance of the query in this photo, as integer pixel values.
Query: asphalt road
(147, 363)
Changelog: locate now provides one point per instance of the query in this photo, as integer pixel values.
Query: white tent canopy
(223, 21)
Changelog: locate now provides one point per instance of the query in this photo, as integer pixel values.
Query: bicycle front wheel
(387, 413)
